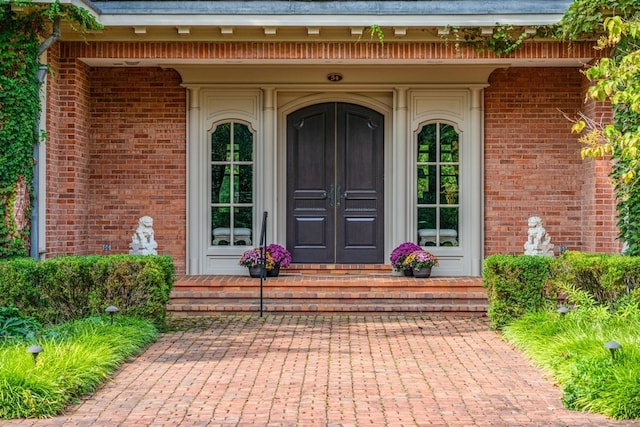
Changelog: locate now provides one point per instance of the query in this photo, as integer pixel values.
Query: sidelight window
(232, 167)
(438, 178)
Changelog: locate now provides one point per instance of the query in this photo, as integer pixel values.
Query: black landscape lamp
(613, 347)
(35, 350)
(112, 310)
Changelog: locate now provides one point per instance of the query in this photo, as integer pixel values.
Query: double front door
(335, 184)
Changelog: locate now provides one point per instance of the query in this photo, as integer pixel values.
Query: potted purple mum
(399, 254)
(420, 262)
(281, 258)
(276, 256)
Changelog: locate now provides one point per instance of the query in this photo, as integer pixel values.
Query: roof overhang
(327, 20)
(313, 21)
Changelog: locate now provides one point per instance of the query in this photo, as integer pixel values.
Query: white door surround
(264, 107)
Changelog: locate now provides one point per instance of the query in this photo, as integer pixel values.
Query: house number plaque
(334, 77)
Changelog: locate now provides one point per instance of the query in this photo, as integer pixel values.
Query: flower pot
(408, 272)
(255, 271)
(422, 272)
(274, 272)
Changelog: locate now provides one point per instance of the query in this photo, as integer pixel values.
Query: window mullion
(232, 178)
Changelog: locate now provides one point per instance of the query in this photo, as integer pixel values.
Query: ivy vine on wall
(27, 29)
(503, 39)
(19, 107)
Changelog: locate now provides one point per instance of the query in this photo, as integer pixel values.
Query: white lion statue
(538, 241)
(143, 240)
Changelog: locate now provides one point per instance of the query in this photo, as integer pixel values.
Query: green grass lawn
(77, 358)
(571, 348)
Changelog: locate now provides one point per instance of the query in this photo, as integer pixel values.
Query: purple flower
(420, 259)
(401, 252)
(275, 255)
(252, 258)
(279, 254)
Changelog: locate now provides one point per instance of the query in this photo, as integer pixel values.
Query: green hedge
(67, 288)
(517, 284)
(603, 276)
(18, 284)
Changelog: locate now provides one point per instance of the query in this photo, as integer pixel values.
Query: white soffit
(419, 21)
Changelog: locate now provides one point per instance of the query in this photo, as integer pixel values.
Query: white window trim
(208, 107)
(456, 107)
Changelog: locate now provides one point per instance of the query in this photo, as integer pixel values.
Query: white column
(268, 165)
(195, 152)
(476, 234)
(400, 210)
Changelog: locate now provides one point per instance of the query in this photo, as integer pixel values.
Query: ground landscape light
(112, 310)
(613, 346)
(35, 350)
(563, 310)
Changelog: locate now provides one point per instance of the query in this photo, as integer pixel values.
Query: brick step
(300, 282)
(356, 292)
(391, 295)
(322, 293)
(292, 307)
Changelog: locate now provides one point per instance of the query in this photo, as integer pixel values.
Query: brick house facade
(132, 115)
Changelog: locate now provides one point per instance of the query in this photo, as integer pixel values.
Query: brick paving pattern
(351, 370)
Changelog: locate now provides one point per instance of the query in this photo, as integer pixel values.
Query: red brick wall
(532, 161)
(67, 156)
(598, 199)
(137, 158)
(115, 152)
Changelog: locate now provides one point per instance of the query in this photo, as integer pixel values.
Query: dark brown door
(335, 183)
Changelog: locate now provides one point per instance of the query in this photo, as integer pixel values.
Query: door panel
(361, 180)
(310, 171)
(335, 184)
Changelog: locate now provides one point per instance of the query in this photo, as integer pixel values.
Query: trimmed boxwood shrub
(71, 287)
(516, 285)
(603, 276)
(18, 285)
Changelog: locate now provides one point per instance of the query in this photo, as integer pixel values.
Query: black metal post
(263, 258)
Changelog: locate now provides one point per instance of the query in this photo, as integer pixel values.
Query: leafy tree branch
(615, 79)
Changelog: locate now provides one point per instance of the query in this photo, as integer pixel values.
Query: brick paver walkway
(327, 371)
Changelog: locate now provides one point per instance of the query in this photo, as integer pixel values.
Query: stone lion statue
(143, 240)
(538, 241)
